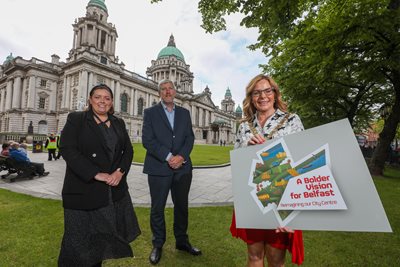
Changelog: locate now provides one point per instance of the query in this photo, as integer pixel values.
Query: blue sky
(220, 60)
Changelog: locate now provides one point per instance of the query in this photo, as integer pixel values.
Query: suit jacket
(159, 139)
(83, 147)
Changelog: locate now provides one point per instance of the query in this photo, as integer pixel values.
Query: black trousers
(52, 153)
(39, 167)
(179, 184)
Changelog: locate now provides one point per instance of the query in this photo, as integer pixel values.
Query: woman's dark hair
(102, 86)
(5, 145)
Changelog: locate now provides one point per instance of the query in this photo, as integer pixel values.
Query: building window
(124, 103)
(43, 83)
(42, 102)
(140, 106)
(103, 60)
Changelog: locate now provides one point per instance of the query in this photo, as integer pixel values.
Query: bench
(21, 169)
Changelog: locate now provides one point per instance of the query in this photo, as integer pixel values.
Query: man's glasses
(267, 92)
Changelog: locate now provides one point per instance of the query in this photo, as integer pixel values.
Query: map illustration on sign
(286, 187)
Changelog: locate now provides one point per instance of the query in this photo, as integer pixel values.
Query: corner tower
(170, 64)
(227, 104)
(94, 33)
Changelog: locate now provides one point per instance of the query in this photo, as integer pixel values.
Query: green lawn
(201, 155)
(31, 231)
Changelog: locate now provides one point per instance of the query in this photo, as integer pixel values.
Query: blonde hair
(248, 107)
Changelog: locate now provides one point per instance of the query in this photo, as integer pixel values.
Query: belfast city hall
(37, 95)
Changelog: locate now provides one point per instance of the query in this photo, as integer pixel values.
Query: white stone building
(41, 94)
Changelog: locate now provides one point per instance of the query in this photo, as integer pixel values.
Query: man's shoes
(155, 255)
(44, 174)
(189, 249)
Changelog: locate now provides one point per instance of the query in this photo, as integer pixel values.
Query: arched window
(42, 127)
(140, 106)
(124, 102)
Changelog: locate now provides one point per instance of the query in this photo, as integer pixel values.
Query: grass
(201, 155)
(32, 228)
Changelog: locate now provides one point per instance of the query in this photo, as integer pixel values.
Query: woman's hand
(256, 139)
(114, 178)
(284, 230)
(102, 177)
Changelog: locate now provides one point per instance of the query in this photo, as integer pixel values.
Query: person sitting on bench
(5, 149)
(20, 155)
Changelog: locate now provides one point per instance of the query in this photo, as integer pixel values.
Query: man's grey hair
(161, 82)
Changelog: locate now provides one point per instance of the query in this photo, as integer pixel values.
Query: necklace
(101, 122)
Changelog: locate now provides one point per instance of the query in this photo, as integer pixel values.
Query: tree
(323, 72)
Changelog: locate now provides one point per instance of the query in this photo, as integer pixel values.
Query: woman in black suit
(99, 218)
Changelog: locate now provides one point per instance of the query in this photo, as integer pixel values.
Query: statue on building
(81, 106)
(30, 128)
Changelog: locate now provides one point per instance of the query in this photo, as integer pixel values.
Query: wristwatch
(121, 170)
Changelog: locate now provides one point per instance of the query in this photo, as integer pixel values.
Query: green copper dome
(238, 109)
(8, 58)
(98, 3)
(171, 50)
(228, 93)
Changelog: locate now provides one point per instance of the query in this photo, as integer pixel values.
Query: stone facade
(43, 93)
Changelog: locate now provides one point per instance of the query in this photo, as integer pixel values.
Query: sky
(220, 60)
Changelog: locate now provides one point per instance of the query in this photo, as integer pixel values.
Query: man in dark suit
(168, 138)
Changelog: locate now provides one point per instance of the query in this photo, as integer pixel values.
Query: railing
(19, 137)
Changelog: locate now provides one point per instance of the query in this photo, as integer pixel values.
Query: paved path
(210, 186)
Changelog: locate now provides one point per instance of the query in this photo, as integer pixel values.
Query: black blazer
(83, 148)
(159, 139)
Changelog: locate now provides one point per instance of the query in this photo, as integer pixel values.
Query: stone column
(16, 101)
(112, 87)
(83, 84)
(32, 92)
(148, 104)
(193, 108)
(74, 40)
(79, 43)
(117, 97)
(90, 77)
(23, 102)
(106, 44)
(68, 93)
(135, 103)
(53, 96)
(131, 102)
(2, 100)
(9, 94)
(201, 117)
(84, 34)
(64, 93)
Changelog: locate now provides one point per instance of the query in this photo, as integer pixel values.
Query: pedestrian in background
(51, 146)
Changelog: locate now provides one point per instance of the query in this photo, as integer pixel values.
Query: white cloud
(220, 60)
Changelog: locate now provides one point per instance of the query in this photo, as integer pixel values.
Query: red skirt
(293, 242)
